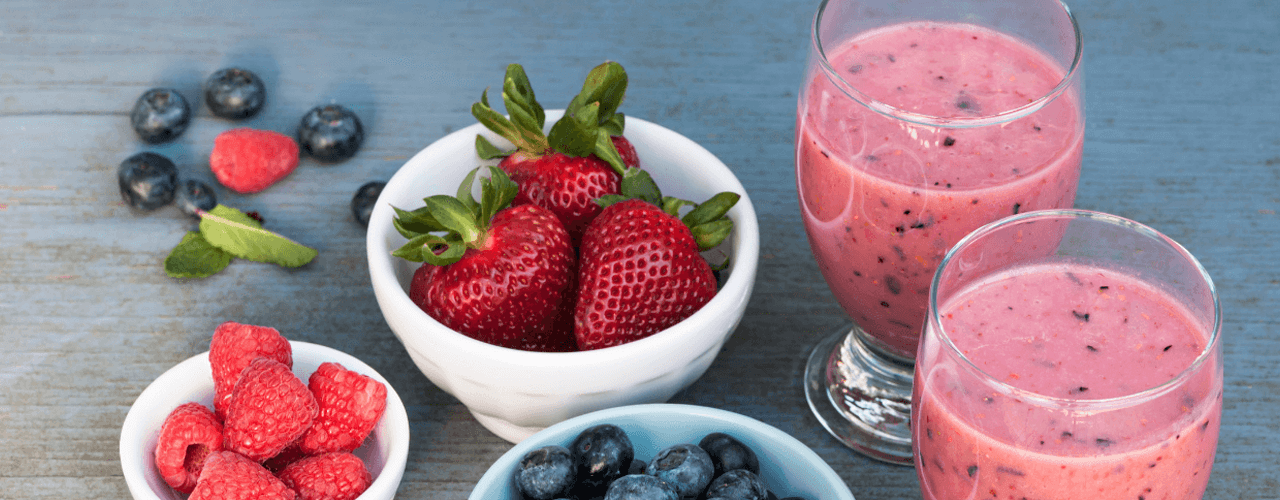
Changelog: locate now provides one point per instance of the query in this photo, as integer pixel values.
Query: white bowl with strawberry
(540, 268)
(258, 416)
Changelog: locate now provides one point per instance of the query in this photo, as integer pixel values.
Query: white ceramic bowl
(384, 453)
(515, 393)
(787, 466)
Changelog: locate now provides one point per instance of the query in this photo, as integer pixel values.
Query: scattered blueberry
(602, 454)
(739, 484)
(194, 195)
(234, 93)
(641, 487)
(546, 473)
(637, 467)
(160, 115)
(147, 180)
(686, 467)
(330, 133)
(362, 203)
(728, 453)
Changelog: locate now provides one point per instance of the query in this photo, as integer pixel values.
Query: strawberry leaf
(487, 151)
(711, 234)
(517, 95)
(410, 224)
(637, 183)
(232, 231)
(194, 257)
(605, 149)
(454, 216)
(615, 124)
(574, 133)
(712, 209)
(497, 192)
(464, 192)
(605, 84)
(431, 249)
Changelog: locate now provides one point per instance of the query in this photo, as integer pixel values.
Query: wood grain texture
(1183, 134)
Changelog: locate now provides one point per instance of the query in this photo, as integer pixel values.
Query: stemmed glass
(919, 121)
(1071, 355)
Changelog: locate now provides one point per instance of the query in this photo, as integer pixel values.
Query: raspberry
(350, 405)
(188, 436)
(331, 476)
(230, 476)
(268, 410)
(248, 160)
(233, 346)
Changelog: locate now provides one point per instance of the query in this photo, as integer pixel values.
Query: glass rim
(1068, 79)
(1124, 401)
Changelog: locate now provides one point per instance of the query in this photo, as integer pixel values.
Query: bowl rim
(499, 471)
(733, 295)
(133, 436)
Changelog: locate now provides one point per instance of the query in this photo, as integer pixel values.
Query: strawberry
(350, 405)
(248, 160)
(268, 410)
(330, 476)
(500, 273)
(233, 346)
(641, 270)
(230, 476)
(188, 436)
(584, 156)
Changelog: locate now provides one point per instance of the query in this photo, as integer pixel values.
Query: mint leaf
(194, 257)
(239, 235)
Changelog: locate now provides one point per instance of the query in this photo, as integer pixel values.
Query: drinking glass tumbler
(1069, 355)
(919, 121)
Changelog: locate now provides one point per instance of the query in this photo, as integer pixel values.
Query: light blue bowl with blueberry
(660, 452)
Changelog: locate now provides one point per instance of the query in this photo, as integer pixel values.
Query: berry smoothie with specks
(884, 198)
(1056, 345)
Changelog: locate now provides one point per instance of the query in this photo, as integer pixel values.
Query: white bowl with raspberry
(384, 452)
(515, 393)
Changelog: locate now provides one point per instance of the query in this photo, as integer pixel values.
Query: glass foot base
(861, 397)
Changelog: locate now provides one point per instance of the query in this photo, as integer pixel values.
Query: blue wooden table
(1183, 106)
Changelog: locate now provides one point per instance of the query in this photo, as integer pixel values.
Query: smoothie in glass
(1057, 337)
(884, 198)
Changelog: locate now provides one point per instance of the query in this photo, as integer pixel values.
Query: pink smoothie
(1056, 336)
(883, 200)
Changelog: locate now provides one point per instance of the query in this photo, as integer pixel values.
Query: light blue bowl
(788, 467)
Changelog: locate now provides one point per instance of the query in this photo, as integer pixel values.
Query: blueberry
(362, 203)
(602, 454)
(637, 467)
(739, 484)
(728, 453)
(641, 487)
(330, 133)
(546, 473)
(685, 466)
(160, 115)
(147, 180)
(194, 195)
(234, 93)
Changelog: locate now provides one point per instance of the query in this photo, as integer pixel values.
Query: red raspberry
(331, 476)
(350, 405)
(188, 436)
(269, 409)
(230, 476)
(248, 160)
(233, 346)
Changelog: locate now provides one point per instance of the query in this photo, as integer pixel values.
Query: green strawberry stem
(585, 129)
(463, 220)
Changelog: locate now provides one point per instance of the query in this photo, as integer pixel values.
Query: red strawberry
(499, 274)
(331, 476)
(188, 436)
(641, 270)
(248, 160)
(269, 409)
(350, 405)
(230, 476)
(584, 156)
(233, 346)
